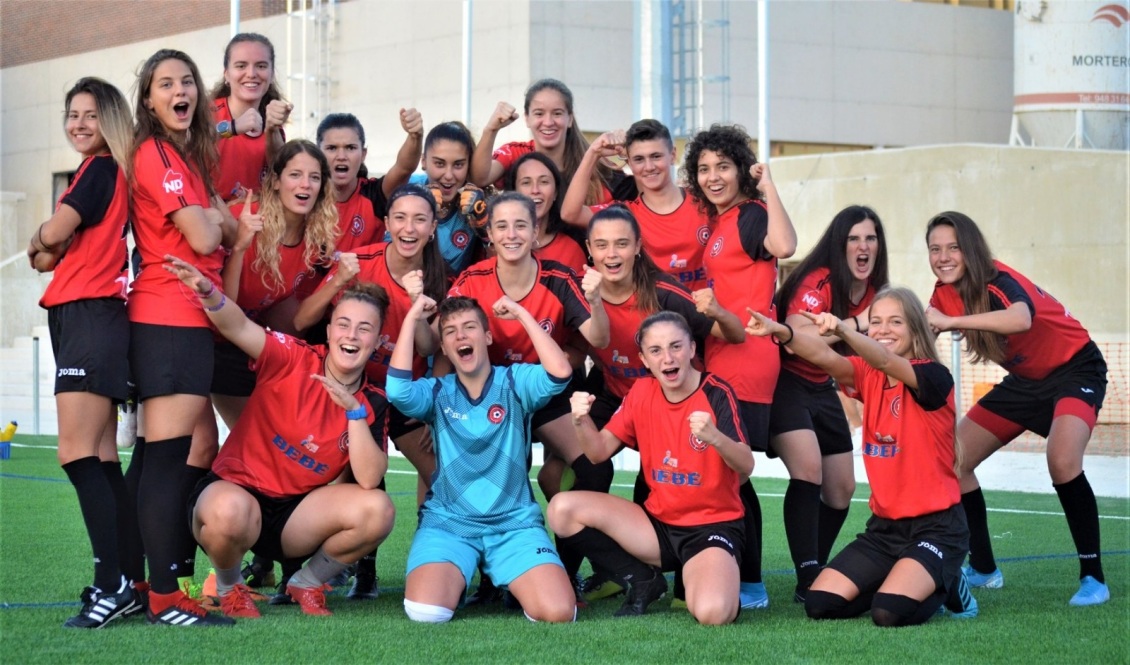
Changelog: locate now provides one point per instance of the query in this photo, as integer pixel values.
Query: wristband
(211, 290)
(790, 339)
(360, 413)
(855, 322)
(218, 306)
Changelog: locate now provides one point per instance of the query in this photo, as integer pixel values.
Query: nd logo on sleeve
(173, 182)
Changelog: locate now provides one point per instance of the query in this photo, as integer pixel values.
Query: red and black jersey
(564, 250)
(373, 263)
(1055, 335)
(95, 264)
(743, 274)
(360, 218)
(292, 438)
(255, 296)
(675, 241)
(690, 483)
(620, 360)
(907, 439)
(556, 302)
(243, 158)
(164, 183)
(814, 294)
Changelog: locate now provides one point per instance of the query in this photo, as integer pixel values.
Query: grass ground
(44, 563)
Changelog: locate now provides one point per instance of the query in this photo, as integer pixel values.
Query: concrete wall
(1061, 217)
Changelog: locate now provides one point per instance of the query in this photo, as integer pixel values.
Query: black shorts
(90, 341)
(678, 544)
(800, 404)
(755, 417)
(275, 514)
(939, 541)
(1031, 403)
(558, 405)
(603, 407)
(400, 424)
(231, 371)
(169, 360)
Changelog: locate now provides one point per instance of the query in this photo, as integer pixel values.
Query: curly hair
(319, 228)
(730, 141)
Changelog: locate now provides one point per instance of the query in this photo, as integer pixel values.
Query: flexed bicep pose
(907, 564)
(1055, 387)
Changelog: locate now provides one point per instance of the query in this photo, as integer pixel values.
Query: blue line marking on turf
(16, 476)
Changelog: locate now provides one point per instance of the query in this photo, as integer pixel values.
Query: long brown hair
(319, 230)
(223, 88)
(199, 147)
(114, 121)
(644, 271)
(982, 345)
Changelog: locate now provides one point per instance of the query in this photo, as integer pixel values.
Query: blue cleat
(993, 580)
(753, 596)
(961, 604)
(1091, 592)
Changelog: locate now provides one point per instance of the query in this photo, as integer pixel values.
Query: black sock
(640, 490)
(831, 521)
(602, 549)
(162, 512)
(980, 543)
(99, 513)
(592, 477)
(751, 556)
(1082, 513)
(133, 471)
(192, 476)
(130, 553)
(802, 509)
(367, 565)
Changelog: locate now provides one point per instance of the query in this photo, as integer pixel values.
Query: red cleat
(312, 601)
(238, 603)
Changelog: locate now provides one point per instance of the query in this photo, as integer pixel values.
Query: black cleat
(364, 586)
(99, 609)
(259, 573)
(641, 594)
(486, 593)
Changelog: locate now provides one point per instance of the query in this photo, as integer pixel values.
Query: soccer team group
(323, 312)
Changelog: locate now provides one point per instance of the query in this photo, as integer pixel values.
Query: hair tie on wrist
(210, 291)
(787, 341)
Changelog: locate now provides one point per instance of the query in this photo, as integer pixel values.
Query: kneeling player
(694, 455)
(481, 508)
(312, 413)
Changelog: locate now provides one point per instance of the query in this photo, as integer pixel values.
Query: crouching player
(908, 561)
(312, 413)
(694, 455)
(481, 508)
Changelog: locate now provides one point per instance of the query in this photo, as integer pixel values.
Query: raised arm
(877, 355)
(426, 339)
(1017, 318)
(550, 355)
(228, 318)
(598, 446)
(596, 330)
(484, 169)
(780, 239)
(402, 355)
(809, 347)
(573, 209)
(735, 454)
(727, 325)
(408, 157)
(313, 308)
(249, 227)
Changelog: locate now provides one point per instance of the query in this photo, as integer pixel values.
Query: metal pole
(763, 80)
(35, 384)
(955, 362)
(466, 92)
(234, 18)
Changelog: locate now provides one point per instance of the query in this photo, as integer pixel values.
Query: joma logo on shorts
(930, 547)
(544, 550)
(72, 371)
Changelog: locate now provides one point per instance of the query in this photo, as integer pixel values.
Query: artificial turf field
(45, 562)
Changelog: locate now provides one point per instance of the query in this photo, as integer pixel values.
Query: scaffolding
(311, 27)
(690, 35)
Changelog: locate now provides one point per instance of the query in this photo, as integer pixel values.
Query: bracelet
(855, 322)
(212, 290)
(218, 306)
(39, 238)
(360, 413)
(787, 341)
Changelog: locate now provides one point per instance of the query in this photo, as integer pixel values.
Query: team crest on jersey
(357, 226)
(703, 234)
(716, 249)
(298, 279)
(282, 339)
(896, 406)
(496, 413)
(546, 325)
(460, 239)
(343, 442)
(173, 182)
(698, 444)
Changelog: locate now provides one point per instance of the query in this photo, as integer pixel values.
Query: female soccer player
(361, 200)
(749, 231)
(170, 340)
(674, 228)
(462, 206)
(908, 561)
(1055, 387)
(537, 177)
(269, 489)
(686, 425)
(481, 508)
(808, 429)
(249, 111)
(549, 115)
(85, 303)
(276, 249)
